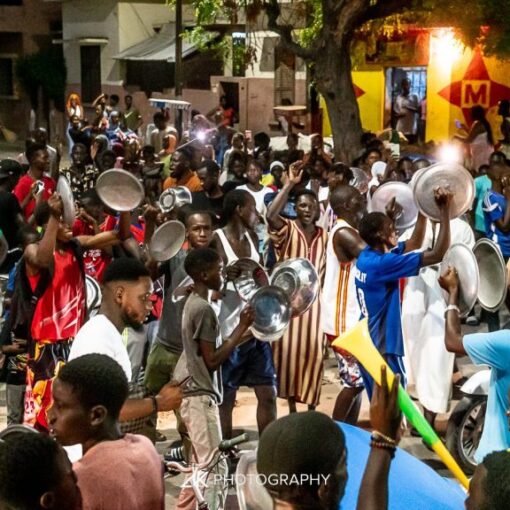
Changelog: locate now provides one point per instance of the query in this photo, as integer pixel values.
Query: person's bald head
(348, 203)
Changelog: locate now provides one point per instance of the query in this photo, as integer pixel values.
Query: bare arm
(476, 129)
(504, 223)
(289, 179)
(215, 357)
(168, 399)
(434, 256)
(453, 335)
(385, 417)
(347, 245)
(99, 241)
(40, 255)
(415, 242)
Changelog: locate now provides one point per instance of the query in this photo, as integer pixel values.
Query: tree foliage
(46, 70)
(326, 29)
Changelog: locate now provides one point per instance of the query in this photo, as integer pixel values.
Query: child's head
(36, 474)
(377, 229)
(206, 267)
(148, 153)
(88, 395)
(199, 229)
(238, 141)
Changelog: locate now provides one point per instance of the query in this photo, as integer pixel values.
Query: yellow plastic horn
(357, 341)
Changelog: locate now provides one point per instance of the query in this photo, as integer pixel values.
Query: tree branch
(285, 32)
(386, 8)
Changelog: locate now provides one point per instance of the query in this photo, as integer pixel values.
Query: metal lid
(452, 177)
(120, 190)
(64, 190)
(360, 180)
(404, 196)
(167, 240)
(463, 260)
(94, 295)
(272, 313)
(493, 274)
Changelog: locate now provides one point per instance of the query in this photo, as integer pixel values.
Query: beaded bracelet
(383, 446)
(379, 436)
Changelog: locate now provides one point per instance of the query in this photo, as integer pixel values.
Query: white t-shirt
(99, 336)
(258, 196)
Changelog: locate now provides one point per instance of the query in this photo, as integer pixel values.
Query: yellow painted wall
(371, 102)
(454, 75)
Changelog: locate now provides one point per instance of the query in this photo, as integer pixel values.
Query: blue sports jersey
(494, 207)
(377, 289)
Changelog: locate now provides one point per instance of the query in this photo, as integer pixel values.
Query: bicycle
(215, 457)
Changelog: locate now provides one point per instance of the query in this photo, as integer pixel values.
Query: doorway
(417, 76)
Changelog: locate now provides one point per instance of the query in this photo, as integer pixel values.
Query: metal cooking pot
(173, 198)
(120, 190)
(251, 277)
(167, 240)
(272, 313)
(298, 278)
(493, 274)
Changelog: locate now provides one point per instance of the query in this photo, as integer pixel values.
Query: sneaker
(472, 320)
(160, 438)
(175, 454)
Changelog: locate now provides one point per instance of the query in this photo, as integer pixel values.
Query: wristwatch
(452, 307)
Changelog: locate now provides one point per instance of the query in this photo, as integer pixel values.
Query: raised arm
(40, 255)
(289, 179)
(385, 417)
(449, 281)
(99, 241)
(415, 242)
(436, 254)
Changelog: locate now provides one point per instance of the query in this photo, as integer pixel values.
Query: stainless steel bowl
(167, 240)
(272, 313)
(493, 275)
(251, 277)
(120, 190)
(463, 260)
(173, 198)
(299, 280)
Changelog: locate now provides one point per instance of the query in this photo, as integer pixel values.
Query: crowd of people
(96, 369)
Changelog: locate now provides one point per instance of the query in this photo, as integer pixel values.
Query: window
(90, 72)
(6, 76)
(238, 54)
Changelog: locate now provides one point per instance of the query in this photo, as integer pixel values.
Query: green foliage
(45, 69)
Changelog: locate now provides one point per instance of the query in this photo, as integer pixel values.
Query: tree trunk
(334, 82)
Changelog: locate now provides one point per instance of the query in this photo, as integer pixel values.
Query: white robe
(428, 362)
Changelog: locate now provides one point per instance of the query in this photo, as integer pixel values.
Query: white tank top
(232, 304)
(339, 306)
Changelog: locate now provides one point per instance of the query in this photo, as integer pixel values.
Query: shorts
(250, 364)
(348, 368)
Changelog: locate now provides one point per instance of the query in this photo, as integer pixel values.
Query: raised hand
(56, 205)
(449, 280)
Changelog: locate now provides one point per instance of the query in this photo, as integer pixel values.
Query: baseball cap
(9, 168)
(308, 443)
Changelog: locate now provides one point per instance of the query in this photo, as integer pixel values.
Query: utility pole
(178, 62)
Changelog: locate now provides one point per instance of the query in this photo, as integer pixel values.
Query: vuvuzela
(357, 341)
